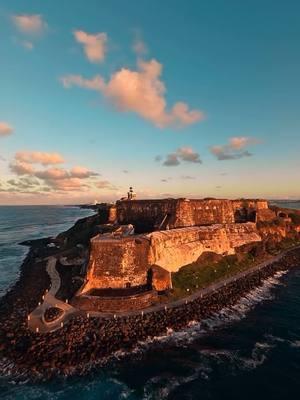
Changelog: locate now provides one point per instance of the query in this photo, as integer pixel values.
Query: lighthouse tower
(131, 195)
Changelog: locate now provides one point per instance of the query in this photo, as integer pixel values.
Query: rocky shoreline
(84, 341)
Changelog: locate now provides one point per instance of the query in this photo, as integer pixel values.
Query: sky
(175, 98)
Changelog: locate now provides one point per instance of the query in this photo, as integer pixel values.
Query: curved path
(37, 322)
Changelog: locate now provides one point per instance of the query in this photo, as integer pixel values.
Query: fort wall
(173, 249)
(148, 215)
(117, 263)
(128, 261)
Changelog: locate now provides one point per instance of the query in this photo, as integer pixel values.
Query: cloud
(27, 44)
(139, 46)
(66, 184)
(82, 172)
(29, 24)
(235, 149)
(105, 185)
(52, 174)
(158, 158)
(125, 171)
(171, 160)
(5, 129)
(186, 154)
(166, 179)
(38, 157)
(140, 91)
(24, 183)
(187, 177)
(21, 168)
(94, 45)
(96, 83)
(53, 178)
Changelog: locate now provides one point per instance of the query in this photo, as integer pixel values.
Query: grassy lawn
(199, 275)
(196, 276)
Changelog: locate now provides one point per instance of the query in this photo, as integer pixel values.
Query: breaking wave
(225, 316)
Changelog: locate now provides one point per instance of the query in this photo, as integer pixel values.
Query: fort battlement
(159, 214)
(169, 234)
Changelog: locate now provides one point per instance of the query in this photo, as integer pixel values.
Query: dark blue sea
(250, 351)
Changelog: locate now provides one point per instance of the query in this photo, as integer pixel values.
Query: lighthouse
(131, 195)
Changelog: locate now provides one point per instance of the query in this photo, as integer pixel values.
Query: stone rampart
(117, 262)
(147, 215)
(173, 249)
(115, 304)
(139, 260)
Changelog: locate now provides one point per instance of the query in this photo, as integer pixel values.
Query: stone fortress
(144, 241)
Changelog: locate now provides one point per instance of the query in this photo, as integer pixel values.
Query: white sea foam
(295, 343)
(192, 332)
(219, 319)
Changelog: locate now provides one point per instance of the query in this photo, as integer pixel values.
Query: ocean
(251, 350)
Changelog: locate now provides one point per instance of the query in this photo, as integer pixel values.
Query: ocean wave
(225, 316)
(194, 330)
(295, 343)
(163, 385)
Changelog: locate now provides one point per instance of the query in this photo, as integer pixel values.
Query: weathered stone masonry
(171, 233)
(126, 261)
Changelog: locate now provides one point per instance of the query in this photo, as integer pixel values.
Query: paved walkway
(37, 320)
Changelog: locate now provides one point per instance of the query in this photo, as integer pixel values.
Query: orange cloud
(29, 24)
(38, 157)
(140, 91)
(5, 129)
(94, 45)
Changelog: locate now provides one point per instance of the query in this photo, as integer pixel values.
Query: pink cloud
(21, 168)
(29, 24)
(142, 92)
(239, 142)
(82, 172)
(53, 178)
(66, 185)
(5, 129)
(38, 157)
(235, 149)
(94, 45)
(52, 173)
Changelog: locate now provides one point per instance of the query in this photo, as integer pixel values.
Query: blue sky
(234, 65)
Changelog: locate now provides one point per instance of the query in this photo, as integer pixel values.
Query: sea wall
(111, 304)
(85, 342)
